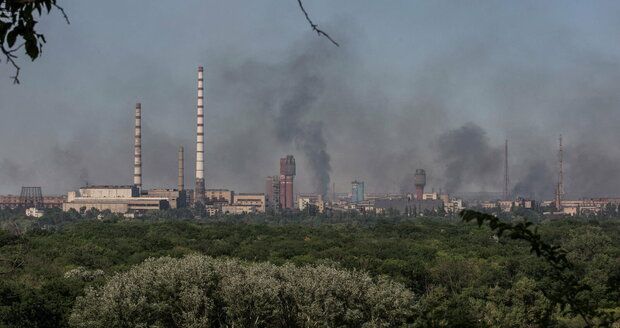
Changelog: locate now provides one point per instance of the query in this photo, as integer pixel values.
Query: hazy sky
(415, 84)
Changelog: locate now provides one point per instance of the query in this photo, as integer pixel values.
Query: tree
(565, 286)
(199, 291)
(18, 28)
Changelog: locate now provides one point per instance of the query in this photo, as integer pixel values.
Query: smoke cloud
(469, 159)
(437, 86)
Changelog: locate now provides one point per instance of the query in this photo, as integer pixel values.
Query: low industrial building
(303, 201)
(257, 200)
(117, 199)
(219, 196)
(408, 205)
(16, 201)
(238, 209)
(176, 198)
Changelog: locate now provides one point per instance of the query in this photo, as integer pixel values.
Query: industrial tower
(199, 192)
(137, 148)
(419, 180)
(506, 178)
(559, 191)
(181, 175)
(287, 175)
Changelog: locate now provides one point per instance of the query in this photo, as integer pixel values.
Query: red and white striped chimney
(199, 192)
(137, 148)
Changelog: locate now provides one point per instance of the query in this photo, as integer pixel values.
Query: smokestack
(506, 179)
(199, 192)
(419, 180)
(287, 175)
(181, 181)
(560, 186)
(137, 148)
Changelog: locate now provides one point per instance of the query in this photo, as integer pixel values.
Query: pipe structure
(137, 149)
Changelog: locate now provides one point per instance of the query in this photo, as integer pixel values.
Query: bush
(199, 291)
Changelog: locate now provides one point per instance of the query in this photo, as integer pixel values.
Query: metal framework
(31, 197)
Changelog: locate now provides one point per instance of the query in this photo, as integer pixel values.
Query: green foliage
(199, 291)
(461, 275)
(566, 286)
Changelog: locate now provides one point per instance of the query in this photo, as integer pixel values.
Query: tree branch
(315, 27)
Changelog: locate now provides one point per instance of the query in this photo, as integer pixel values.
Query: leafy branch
(563, 271)
(18, 20)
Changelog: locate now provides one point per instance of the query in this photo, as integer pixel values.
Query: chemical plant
(279, 194)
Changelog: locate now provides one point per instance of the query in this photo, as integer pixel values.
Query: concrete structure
(181, 175)
(213, 210)
(117, 205)
(137, 148)
(15, 201)
(238, 209)
(272, 192)
(252, 199)
(407, 206)
(430, 196)
(107, 192)
(34, 212)
(118, 199)
(453, 206)
(357, 191)
(419, 180)
(303, 201)
(287, 175)
(219, 196)
(199, 191)
(175, 198)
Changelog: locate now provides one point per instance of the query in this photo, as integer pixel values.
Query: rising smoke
(374, 109)
(469, 159)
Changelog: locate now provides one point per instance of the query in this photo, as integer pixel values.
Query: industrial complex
(280, 194)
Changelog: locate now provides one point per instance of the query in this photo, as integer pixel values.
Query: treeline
(458, 274)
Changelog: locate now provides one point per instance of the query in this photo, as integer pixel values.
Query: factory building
(357, 191)
(117, 199)
(176, 198)
(256, 200)
(16, 201)
(219, 196)
(238, 209)
(306, 200)
(408, 206)
(287, 175)
(272, 192)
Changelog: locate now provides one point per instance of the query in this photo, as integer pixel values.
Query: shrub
(200, 291)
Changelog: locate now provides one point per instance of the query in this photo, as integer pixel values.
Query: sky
(438, 85)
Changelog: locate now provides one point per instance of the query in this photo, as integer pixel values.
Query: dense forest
(78, 269)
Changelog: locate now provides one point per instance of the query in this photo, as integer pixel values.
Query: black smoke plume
(470, 161)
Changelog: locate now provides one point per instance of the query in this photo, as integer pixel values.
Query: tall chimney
(137, 148)
(199, 192)
(506, 179)
(181, 181)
